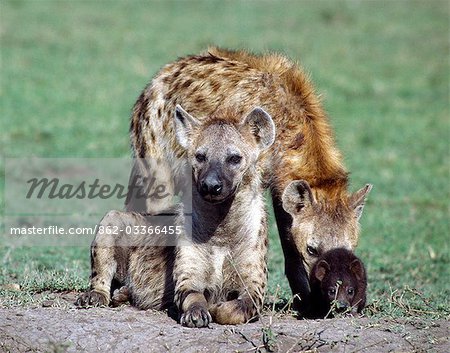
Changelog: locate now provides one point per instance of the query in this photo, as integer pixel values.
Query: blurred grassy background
(71, 71)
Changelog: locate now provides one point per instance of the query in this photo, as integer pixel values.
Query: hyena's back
(205, 83)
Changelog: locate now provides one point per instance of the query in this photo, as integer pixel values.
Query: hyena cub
(221, 275)
(338, 284)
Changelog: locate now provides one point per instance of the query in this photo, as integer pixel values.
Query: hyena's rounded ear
(358, 199)
(297, 196)
(357, 268)
(262, 126)
(184, 124)
(321, 269)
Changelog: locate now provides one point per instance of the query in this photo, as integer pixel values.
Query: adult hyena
(304, 148)
(222, 274)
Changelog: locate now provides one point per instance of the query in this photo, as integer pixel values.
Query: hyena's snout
(342, 305)
(211, 185)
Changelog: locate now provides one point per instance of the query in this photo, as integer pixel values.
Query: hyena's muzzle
(215, 184)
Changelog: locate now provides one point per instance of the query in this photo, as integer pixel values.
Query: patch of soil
(57, 326)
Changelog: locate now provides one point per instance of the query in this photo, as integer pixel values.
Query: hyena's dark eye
(332, 291)
(234, 159)
(200, 157)
(312, 251)
(350, 291)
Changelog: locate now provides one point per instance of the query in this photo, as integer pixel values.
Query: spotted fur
(304, 148)
(220, 274)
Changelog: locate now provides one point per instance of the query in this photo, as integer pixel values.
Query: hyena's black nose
(216, 189)
(341, 306)
(211, 185)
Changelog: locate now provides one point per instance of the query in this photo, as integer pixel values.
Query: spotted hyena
(304, 148)
(221, 275)
(338, 284)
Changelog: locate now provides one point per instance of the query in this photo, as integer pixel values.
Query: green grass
(71, 71)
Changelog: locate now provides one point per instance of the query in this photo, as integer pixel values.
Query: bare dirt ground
(57, 326)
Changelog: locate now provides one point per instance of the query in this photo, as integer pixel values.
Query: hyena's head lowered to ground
(223, 148)
(319, 227)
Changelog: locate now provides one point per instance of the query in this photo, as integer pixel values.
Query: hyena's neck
(206, 216)
(333, 192)
(329, 186)
(228, 218)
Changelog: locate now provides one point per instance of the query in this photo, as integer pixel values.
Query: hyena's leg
(104, 265)
(250, 275)
(294, 268)
(103, 268)
(190, 280)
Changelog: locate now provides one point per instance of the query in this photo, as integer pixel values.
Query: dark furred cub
(338, 284)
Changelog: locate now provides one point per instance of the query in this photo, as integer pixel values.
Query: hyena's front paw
(92, 298)
(233, 312)
(196, 316)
